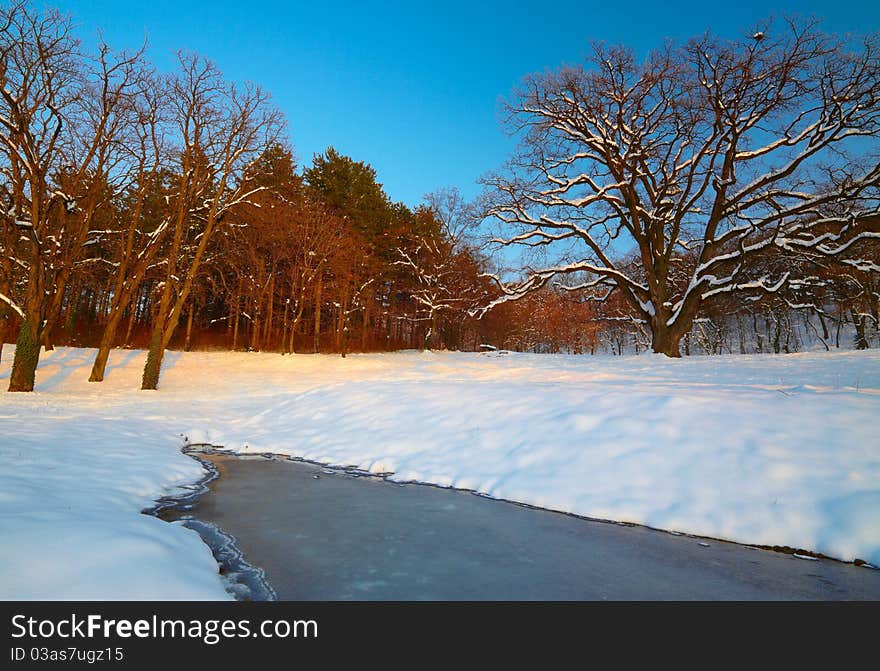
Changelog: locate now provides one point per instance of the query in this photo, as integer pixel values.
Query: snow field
(771, 450)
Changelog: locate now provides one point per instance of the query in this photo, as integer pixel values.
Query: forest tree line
(154, 210)
(167, 210)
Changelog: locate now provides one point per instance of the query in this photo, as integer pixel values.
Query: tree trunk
(100, 364)
(284, 349)
(665, 341)
(255, 328)
(341, 319)
(235, 330)
(291, 344)
(3, 323)
(825, 334)
(742, 334)
(861, 339)
(27, 356)
(318, 289)
(153, 366)
(365, 329)
(70, 321)
(134, 308)
(270, 309)
(427, 343)
(387, 320)
(343, 330)
(189, 327)
(666, 337)
(776, 335)
(236, 312)
(48, 327)
(47, 342)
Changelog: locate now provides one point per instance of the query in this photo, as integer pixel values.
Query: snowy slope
(775, 450)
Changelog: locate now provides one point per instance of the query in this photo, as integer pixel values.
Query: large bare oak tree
(663, 179)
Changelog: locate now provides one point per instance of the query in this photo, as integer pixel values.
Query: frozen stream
(328, 535)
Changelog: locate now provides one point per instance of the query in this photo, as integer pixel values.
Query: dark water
(322, 535)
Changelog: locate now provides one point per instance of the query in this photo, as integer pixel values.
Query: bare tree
(60, 116)
(713, 148)
(437, 259)
(221, 129)
(139, 242)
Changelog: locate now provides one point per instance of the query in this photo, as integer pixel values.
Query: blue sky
(413, 87)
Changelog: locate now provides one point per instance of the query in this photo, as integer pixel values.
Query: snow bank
(75, 473)
(773, 450)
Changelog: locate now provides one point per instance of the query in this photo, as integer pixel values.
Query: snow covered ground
(771, 450)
